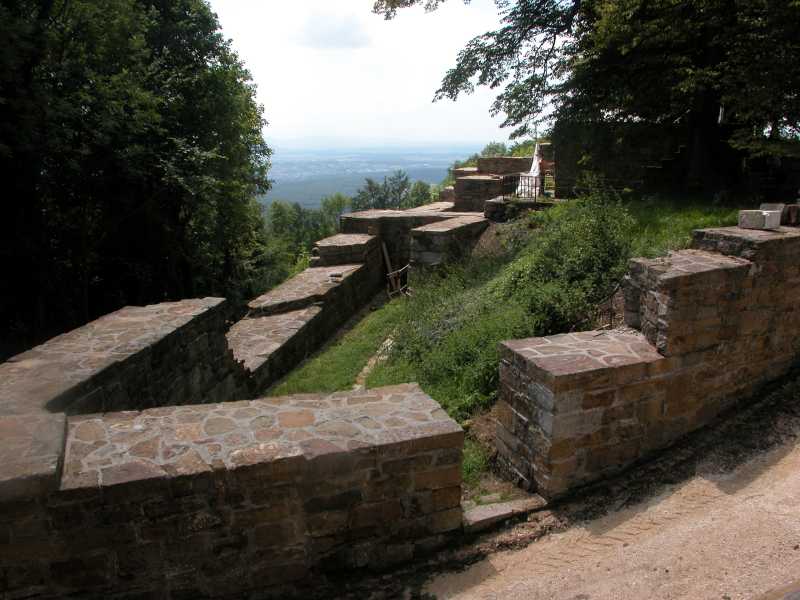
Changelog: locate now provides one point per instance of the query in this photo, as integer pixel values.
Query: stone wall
(504, 165)
(393, 227)
(717, 321)
(472, 192)
(230, 499)
(445, 241)
(136, 357)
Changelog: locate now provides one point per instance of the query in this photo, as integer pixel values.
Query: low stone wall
(504, 165)
(444, 241)
(717, 321)
(471, 193)
(393, 227)
(288, 323)
(251, 497)
(344, 249)
(136, 357)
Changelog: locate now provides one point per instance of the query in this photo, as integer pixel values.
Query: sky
(332, 73)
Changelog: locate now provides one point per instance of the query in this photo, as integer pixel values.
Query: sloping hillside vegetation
(554, 269)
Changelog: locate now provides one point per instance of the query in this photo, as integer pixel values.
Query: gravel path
(718, 535)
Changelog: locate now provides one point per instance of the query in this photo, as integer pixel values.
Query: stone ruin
(706, 326)
(138, 456)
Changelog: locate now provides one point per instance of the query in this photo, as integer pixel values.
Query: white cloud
(331, 70)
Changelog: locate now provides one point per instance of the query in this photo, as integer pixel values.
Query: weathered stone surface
(486, 516)
(85, 369)
(717, 321)
(313, 285)
(346, 248)
(393, 227)
(760, 219)
(473, 191)
(440, 242)
(214, 489)
(30, 449)
(504, 165)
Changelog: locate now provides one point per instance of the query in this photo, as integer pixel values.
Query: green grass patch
(662, 226)
(476, 463)
(337, 367)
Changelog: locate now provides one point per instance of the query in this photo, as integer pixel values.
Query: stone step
(269, 346)
(312, 286)
(439, 242)
(345, 249)
(485, 516)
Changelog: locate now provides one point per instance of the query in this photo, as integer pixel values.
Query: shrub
(448, 337)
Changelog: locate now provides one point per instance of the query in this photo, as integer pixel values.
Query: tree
(395, 192)
(494, 149)
(131, 145)
(704, 63)
(419, 194)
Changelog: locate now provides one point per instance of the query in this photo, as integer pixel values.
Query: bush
(450, 330)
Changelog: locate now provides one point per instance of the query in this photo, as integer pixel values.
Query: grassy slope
(659, 227)
(338, 365)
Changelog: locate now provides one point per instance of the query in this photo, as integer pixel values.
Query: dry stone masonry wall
(716, 321)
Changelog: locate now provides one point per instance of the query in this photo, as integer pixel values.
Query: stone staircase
(289, 322)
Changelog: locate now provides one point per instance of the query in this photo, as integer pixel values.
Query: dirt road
(720, 535)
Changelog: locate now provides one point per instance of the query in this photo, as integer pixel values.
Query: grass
(337, 366)
(475, 464)
(664, 226)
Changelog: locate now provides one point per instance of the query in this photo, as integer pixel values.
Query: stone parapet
(137, 356)
(344, 249)
(440, 242)
(311, 286)
(504, 165)
(230, 499)
(716, 321)
(393, 227)
(464, 172)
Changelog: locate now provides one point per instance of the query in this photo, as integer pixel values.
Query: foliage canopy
(131, 154)
(703, 62)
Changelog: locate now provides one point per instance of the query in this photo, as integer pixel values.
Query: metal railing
(521, 186)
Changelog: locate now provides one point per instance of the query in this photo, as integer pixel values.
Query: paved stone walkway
(717, 536)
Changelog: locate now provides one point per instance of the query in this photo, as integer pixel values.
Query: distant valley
(306, 176)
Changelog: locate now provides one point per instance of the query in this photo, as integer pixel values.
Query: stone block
(759, 219)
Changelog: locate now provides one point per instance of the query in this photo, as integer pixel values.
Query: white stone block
(760, 219)
(772, 206)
